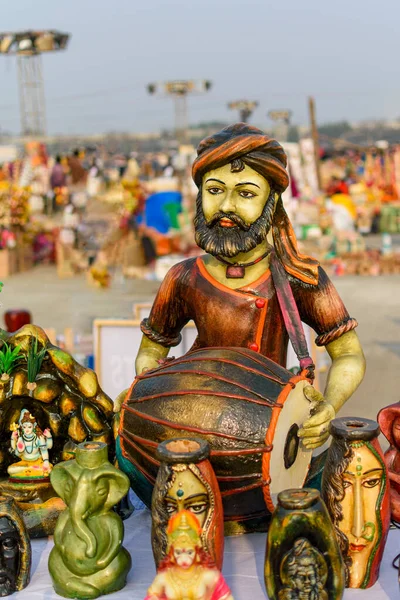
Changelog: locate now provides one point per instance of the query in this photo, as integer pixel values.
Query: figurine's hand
(315, 430)
(14, 435)
(47, 433)
(119, 400)
(46, 466)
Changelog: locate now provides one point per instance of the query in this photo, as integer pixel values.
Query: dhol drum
(247, 407)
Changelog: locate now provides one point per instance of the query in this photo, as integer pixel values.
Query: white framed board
(116, 344)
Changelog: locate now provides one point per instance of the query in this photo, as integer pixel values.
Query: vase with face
(303, 560)
(355, 487)
(15, 549)
(186, 481)
(389, 421)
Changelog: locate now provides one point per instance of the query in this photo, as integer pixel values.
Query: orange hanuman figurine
(187, 571)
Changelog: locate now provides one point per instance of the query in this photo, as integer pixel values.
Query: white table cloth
(243, 566)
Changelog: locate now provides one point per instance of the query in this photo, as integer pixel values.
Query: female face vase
(355, 488)
(186, 481)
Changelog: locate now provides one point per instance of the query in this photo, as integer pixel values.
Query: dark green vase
(303, 560)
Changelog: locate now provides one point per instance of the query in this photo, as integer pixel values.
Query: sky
(343, 52)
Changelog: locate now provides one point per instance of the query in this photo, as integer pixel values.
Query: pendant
(235, 272)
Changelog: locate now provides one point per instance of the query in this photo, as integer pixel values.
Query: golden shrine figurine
(187, 571)
(247, 295)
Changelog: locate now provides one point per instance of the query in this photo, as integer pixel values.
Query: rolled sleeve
(322, 309)
(169, 313)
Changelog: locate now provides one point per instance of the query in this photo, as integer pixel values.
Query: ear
(118, 486)
(63, 480)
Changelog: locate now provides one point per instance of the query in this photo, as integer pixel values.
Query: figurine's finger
(325, 416)
(316, 442)
(314, 431)
(312, 394)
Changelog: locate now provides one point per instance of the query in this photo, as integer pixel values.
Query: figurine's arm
(347, 370)
(156, 590)
(43, 449)
(14, 441)
(169, 315)
(149, 354)
(345, 375)
(49, 438)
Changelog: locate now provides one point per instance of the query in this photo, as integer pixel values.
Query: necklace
(29, 449)
(182, 583)
(238, 270)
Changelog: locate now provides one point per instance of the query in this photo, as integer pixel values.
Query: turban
(266, 156)
(258, 151)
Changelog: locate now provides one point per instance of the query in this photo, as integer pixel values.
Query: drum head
(290, 461)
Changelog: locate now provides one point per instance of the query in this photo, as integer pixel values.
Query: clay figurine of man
(229, 292)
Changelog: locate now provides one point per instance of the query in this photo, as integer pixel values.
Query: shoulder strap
(291, 316)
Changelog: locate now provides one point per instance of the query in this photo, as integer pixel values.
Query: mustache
(232, 216)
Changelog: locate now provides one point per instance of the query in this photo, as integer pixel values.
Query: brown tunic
(246, 317)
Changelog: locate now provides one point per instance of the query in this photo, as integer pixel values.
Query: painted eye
(346, 483)
(171, 509)
(9, 544)
(371, 483)
(215, 190)
(102, 491)
(197, 508)
(246, 194)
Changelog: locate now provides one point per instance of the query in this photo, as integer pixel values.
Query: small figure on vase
(187, 571)
(389, 421)
(32, 446)
(304, 573)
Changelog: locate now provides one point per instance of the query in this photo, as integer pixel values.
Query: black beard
(229, 242)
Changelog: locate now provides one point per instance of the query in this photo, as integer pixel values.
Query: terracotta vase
(15, 319)
(88, 559)
(186, 481)
(303, 559)
(15, 549)
(355, 487)
(389, 421)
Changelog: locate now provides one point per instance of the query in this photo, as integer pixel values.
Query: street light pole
(314, 133)
(179, 91)
(245, 108)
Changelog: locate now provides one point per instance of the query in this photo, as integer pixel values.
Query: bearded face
(9, 557)
(234, 211)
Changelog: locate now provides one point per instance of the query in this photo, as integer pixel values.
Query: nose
(228, 203)
(358, 511)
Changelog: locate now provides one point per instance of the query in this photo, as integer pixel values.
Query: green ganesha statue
(88, 559)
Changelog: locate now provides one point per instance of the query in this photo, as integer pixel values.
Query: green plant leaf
(9, 359)
(34, 360)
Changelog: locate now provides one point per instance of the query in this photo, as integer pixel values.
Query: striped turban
(257, 150)
(266, 156)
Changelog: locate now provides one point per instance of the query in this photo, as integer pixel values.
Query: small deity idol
(187, 571)
(31, 445)
(304, 573)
